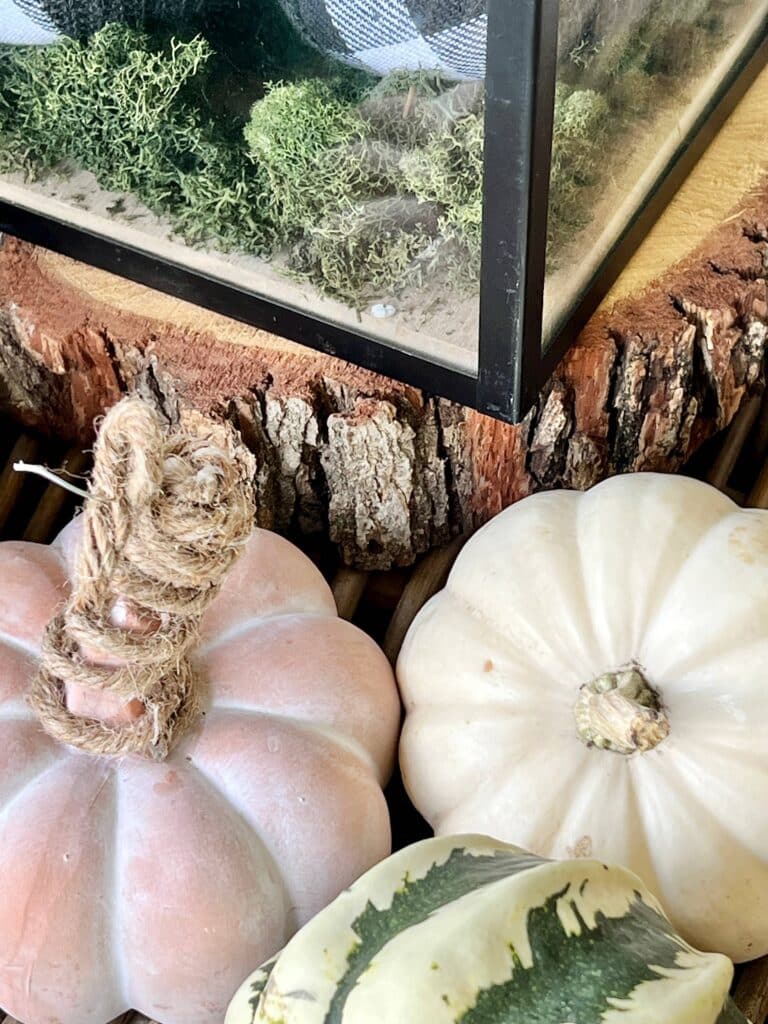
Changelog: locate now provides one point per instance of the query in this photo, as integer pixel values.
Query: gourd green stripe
(414, 902)
(258, 983)
(576, 977)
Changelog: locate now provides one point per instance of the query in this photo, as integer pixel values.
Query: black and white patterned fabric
(23, 22)
(38, 22)
(379, 35)
(388, 35)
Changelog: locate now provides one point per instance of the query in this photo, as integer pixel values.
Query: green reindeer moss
(367, 188)
(580, 130)
(449, 171)
(118, 107)
(293, 135)
(367, 248)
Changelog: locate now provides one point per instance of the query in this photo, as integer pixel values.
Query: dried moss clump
(582, 120)
(580, 131)
(685, 35)
(449, 171)
(337, 187)
(365, 189)
(117, 106)
(608, 87)
(290, 134)
(399, 83)
(328, 161)
(669, 42)
(367, 249)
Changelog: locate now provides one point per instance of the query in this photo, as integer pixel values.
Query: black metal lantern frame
(513, 363)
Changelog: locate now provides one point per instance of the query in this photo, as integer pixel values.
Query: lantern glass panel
(635, 81)
(325, 169)
(326, 155)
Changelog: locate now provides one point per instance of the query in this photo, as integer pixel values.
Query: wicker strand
(166, 517)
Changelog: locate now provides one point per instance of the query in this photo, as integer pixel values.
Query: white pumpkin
(593, 681)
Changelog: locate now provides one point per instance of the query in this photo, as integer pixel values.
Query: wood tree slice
(385, 470)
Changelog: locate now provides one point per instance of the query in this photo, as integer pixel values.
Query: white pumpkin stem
(620, 711)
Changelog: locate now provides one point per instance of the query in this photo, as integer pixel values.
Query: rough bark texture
(387, 471)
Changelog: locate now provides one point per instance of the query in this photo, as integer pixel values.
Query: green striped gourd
(468, 930)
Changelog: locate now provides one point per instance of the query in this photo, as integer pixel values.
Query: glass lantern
(441, 191)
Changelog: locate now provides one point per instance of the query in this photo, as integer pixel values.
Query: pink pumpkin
(130, 884)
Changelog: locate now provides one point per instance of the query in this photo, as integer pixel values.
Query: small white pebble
(382, 310)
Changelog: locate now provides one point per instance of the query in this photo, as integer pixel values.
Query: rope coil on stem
(167, 515)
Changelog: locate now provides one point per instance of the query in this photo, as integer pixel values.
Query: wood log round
(386, 471)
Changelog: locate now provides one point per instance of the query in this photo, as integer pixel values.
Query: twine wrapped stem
(168, 512)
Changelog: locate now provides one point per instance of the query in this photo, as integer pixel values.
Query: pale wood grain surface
(733, 165)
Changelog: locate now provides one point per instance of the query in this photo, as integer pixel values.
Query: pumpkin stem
(620, 711)
(167, 514)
